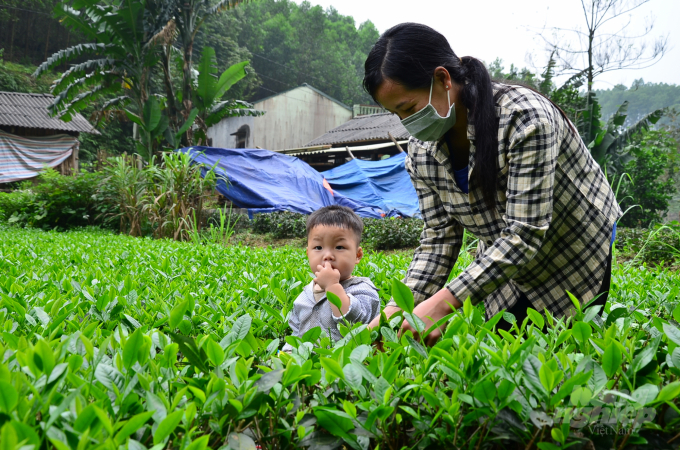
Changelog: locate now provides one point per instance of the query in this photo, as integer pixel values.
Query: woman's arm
(440, 243)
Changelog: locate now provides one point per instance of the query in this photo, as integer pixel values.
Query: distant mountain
(642, 97)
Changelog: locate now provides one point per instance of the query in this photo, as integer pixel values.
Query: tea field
(114, 342)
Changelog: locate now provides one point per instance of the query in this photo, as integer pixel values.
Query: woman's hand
(375, 323)
(389, 312)
(430, 311)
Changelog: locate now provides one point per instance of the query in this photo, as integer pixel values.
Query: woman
(504, 163)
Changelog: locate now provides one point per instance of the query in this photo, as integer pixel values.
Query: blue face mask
(427, 124)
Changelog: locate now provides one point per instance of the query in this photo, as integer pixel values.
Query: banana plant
(153, 125)
(120, 56)
(609, 144)
(209, 91)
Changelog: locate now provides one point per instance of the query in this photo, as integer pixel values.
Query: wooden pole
(350, 153)
(401, 150)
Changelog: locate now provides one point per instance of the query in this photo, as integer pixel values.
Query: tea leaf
(536, 318)
(352, 376)
(402, 295)
(214, 352)
(532, 367)
(8, 397)
(485, 392)
(332, 367)
(132, 425)
(669, 392)
(672, 333)
(242, 326)
(334, 300)
(167, 426)
(611, 359)
(131, 349)
(177, 314)
(645, 394)
(582, 332)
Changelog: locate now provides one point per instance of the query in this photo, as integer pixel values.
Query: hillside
(642, 97)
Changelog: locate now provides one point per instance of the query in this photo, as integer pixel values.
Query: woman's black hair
(408, 54)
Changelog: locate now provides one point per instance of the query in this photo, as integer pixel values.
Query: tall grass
(163, 199)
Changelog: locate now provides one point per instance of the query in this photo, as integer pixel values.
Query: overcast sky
(507, 29)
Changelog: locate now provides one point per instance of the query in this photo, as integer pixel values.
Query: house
(30, 139)
(292, 118)
(367, 137)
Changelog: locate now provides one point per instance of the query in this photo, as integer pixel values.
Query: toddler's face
(335, 245)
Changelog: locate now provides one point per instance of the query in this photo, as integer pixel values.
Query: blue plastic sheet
(384, 184)
(264, 181)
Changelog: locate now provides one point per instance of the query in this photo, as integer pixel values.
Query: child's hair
(336, 216)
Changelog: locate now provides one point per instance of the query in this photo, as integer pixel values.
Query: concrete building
(292, 118)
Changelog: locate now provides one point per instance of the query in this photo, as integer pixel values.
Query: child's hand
(326, 275)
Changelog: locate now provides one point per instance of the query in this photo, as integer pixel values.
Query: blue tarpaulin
(264, 181)
(384, 184)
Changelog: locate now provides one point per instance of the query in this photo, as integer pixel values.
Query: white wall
(221, 132)
(294, 118)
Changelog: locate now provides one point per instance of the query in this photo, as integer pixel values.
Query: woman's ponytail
(477, 96)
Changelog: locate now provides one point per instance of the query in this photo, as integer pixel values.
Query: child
(333, 237)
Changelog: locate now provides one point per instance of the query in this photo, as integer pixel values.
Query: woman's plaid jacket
(550, 230)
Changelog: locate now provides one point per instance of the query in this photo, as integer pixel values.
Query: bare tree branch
(596, 49)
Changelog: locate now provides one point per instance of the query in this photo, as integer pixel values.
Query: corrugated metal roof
(30, 111)
(304, 85)
(362, 129)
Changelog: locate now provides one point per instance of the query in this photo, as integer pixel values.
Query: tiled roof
(30, 111)
(364, 129)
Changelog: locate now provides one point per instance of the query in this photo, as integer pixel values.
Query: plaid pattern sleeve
(440, 240)
(550, 229)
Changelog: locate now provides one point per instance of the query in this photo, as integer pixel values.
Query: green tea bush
(281, 225)
(110, 342)
(392, 233)
(17, 206)
(379, 234)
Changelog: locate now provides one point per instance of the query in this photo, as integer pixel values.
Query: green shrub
(379, 234)
(392, 233)
(66, 201)
(652, 170)
(651, 245)
(281, 225)
(17, 206)
(55, 201)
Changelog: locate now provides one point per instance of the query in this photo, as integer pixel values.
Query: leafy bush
(281, 225)
(55, 201)
(379, 234)
(658, 244)
(392, 233)
(652, 169)
(118, 342)
(17, 206)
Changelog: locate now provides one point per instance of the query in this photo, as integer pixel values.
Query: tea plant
(111, 341)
